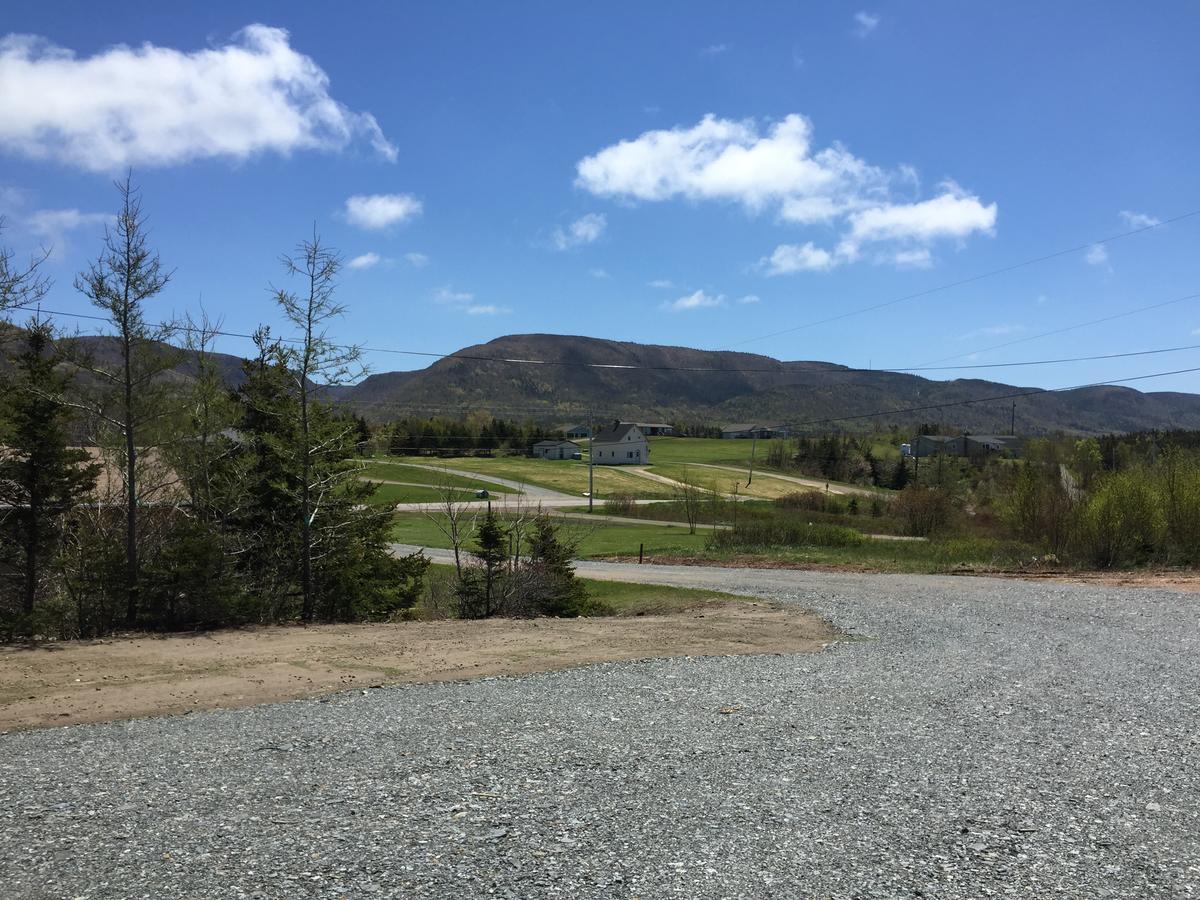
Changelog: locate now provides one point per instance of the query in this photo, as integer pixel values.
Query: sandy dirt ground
(93, 681)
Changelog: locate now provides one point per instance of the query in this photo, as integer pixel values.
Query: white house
(556, 450)
(621, 444)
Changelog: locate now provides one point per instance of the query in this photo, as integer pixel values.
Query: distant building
(747, 430)
(906, 450)
(656, 429)
(556, 450)
(972, 446)
(621, 444)
(578, 432)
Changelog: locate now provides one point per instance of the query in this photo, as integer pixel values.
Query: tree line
(194, 505)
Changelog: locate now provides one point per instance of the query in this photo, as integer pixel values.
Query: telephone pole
(591, 461)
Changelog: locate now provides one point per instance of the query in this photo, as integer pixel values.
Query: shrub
(620, 504)
(1121, 522)
(781, 533)
(923, 511)
(812, 501)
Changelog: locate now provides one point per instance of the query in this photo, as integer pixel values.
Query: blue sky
(675, 173)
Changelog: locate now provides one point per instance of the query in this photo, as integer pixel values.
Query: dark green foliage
(448, 437)
(481, 588)
(548, 583)
(41, 478)
(190, 581)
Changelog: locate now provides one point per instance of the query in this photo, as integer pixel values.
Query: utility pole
(591, 461)
(1012, 428)
(753, 448)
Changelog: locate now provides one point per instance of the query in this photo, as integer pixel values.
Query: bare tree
(314, 361)
(453, 516)
(690, 498)
(21, 286)
(124, 277)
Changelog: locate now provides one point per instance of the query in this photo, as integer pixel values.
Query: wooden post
(641, 553)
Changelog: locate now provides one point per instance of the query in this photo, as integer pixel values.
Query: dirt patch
(1183, 580)
(72, 682)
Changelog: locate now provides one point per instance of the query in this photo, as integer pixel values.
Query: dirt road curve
(979, 738)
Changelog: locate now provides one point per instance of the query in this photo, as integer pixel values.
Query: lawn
(722, 480)
(943, 555)
(383, 470)
(567, 476)
(703, 450)
(621, 598)
(388, 494)
(597, 539)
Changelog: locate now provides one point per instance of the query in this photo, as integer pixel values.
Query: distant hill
(673, 384)
(667, 388)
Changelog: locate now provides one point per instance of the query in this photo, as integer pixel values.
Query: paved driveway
(974, 738)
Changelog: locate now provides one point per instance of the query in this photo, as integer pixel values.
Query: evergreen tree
(132, 401)
(480, 590)
(900, 475)
(553, 589)
(41, 478)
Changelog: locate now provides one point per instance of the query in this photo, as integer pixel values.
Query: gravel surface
(976, 738)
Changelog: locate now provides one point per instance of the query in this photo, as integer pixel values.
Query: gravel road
(975, 738)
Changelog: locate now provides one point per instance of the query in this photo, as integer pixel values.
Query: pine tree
(131, 401)
(41, 478)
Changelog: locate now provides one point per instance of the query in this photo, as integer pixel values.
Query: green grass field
(978, 554)
(388, 494)
(595, 540)
(383, 470)
(722, 480)
(567, 476)
(703, 450)
(621, 598)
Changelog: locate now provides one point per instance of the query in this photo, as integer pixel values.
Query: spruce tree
(41, 477)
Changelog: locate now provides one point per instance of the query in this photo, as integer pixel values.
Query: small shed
(556, 450)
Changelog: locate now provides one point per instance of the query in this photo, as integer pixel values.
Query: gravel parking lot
(976, 738)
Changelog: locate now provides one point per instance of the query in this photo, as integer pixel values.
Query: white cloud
(446, 296)
(698, 300)
(1097, 255)
(715, 50)
(158, 106)
(992, 331)
(584, 230)
(53, 226)
(952, 214)
(749, 298)
(1139, 220)
(790, 258)
(599, 273)
(780, 170)
(865, 23)
(464, 301)
(911, 259)
(416, 260)
(366, 261)
(662, 283)
(375, 211)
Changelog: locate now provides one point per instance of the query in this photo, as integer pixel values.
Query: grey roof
(614, 433)
(749, 426)
(555, 444)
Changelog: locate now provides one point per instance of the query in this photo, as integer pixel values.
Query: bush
(1121, 522)
(620, 504)
(811, 501)
(781, 533)
(923, 511)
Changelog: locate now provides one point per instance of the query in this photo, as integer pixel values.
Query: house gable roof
(616, 433)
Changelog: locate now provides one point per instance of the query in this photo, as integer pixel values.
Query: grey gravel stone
(974, 738)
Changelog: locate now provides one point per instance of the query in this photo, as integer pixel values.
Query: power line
(971, 280)
(1013, 396)
(780, 369)
(1065, 329)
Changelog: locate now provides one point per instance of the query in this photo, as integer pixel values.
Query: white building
(621, 444)
(556, 450)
